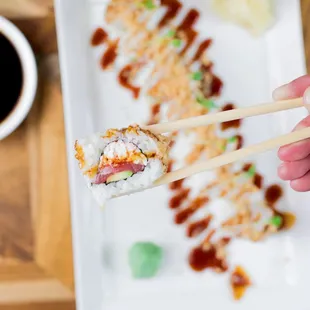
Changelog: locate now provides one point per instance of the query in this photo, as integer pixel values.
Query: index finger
(298, 150)
(294, 89)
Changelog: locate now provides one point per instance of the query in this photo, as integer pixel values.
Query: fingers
(302, 184)
(296, 156)
(293, 89)
(299, 150)
(294, 170)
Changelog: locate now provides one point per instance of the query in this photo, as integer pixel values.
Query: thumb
(297, 88)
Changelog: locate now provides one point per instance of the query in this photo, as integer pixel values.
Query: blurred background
(35, 235)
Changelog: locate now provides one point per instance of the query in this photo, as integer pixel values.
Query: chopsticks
(225, 116)
(231, 157)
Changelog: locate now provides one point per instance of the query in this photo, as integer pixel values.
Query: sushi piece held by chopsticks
(119, 162)
(124, 161)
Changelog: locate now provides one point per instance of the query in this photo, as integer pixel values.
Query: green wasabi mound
(145, 259)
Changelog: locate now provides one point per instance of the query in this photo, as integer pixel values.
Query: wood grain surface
(40, 306)
(25, 8)
(35, 235)
(305, 9)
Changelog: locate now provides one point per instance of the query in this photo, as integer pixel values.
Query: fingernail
(282, 92)
(307, 98)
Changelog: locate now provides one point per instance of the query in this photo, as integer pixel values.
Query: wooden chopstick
(231, 157)
(225, 116)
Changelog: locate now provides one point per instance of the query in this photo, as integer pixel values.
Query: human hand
(296, 156)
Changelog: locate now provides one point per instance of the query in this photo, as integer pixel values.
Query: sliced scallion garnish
(251, 172)
(197, 76)
(176, 42)
(207, 103)
(276, 221)
(232, 139)
(149, 4)
(171, 33)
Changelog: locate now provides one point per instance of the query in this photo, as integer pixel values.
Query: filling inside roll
(119, 161)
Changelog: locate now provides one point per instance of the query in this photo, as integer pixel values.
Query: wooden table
(305, 7)
(35, 235)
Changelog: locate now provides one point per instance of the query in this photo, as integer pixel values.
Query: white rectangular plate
(93, 101)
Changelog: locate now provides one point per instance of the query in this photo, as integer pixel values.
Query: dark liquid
(11, 77)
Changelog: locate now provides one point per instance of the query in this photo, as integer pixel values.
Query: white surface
(250, 68)
(30, 77)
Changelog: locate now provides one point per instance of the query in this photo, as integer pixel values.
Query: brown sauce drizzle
(240, 142)
(186, 28)
(273, 194)
(216, 86)
(177, 200)
(156, 109)
(191, 36)
(99, 37)
(258, 180)
(196, 228)
(239, 282)
(170, 166)
(155, 113)
(124, 80)
(189, 20)
(246, 167)
(173, 8)
(230, 124)
(206, 256)
(182, 216)
(201, 49)
(177, 185)
(110, 55)
(172, 143)
(225, 240)
(200, 259)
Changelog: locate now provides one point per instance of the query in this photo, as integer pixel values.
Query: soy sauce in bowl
(11, 77)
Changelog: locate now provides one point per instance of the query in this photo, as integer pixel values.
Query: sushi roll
(121, 161)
